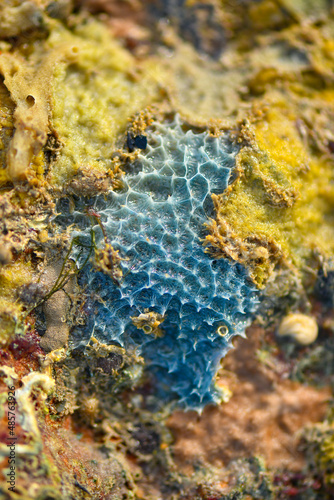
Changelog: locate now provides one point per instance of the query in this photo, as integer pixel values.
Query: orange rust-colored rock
(262, 417)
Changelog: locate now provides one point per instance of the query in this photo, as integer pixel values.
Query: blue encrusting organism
(175, 304)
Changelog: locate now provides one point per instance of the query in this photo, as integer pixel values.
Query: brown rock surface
(262, 417)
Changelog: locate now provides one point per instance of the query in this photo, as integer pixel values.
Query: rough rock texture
(262, 417)
(80, 82)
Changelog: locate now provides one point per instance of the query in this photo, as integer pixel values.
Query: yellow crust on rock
(94, 98)
(29, 83)
(12, 277)
(81, 86)
(280, 208)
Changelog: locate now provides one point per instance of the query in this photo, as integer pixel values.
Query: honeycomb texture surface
(156, 221)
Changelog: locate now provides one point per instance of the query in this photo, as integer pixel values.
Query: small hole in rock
(30, 100)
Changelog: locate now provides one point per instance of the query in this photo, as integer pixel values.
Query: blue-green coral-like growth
(157, 223)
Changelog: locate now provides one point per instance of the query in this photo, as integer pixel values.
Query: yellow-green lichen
(280, 209)
(94, 97)
(6, 128)
(12, 277)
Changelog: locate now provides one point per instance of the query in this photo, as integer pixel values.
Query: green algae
(12, 277)
(6, 129)
(279, 210)
(94, 97)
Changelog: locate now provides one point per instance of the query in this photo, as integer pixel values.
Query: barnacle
(149, 322)
(156, 223)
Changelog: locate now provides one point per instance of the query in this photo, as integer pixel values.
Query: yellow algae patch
(12, 277)
(281, 206)
(17, 16)
(7, 107)
(79, 86)
(94, 97)
(28, 78)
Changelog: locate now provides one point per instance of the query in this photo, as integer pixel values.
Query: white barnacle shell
(300, 327)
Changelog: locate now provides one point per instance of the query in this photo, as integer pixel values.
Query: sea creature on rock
(156, 223)
(301, 328)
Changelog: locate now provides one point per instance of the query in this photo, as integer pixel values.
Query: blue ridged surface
(157, 223)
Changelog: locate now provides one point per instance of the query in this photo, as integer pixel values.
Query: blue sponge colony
(175, 305)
